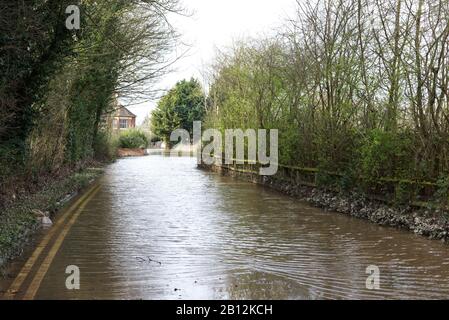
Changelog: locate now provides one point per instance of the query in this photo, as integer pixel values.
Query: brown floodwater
(159, 228)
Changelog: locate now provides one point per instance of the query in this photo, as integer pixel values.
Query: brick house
(123, 119)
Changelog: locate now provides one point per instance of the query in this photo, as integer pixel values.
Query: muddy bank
(124, 153)
(20, 220)
(433, 224)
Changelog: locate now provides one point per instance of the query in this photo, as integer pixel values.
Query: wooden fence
(414, 192)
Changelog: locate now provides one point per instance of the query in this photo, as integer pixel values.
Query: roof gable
(124, 112)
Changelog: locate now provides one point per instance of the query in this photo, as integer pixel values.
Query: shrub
(442, 193)
(133, 139)
(404, 193)
(104, 148)
(386, 155)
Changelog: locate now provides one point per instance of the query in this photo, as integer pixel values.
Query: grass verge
(17, 221)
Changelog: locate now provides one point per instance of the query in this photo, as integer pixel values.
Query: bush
(104, 148)
(386, 155)
(133, 139)
(404, 193)
(442, 193)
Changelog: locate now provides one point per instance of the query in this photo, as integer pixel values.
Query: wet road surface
(159, 228)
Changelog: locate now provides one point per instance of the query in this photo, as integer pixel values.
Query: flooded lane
(159, 228)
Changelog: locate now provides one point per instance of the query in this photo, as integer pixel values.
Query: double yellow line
(63, 225)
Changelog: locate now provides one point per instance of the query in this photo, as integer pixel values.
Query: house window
(123, 123)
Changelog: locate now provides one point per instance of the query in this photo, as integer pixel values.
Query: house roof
(124, 112)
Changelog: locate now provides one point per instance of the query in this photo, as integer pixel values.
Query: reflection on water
(161, 229)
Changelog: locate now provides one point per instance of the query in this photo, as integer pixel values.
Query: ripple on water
(217, 237)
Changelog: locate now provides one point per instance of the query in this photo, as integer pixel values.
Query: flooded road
(159, 228)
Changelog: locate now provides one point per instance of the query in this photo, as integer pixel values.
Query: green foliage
(404, 192)
(385, 155)
(133, 139)
(33, 47)
(104, 148)
(349, 180)
(322, 121)
(34, 43)
(178, 109)
(18, 220)
(442, 192)
(289, 139)
(326, 180)
(56, 85)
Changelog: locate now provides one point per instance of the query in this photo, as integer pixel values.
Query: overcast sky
(215, 24)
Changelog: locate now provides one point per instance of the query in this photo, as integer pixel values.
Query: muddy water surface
(159, 228)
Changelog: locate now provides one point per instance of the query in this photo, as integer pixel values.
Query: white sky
(215, 24)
